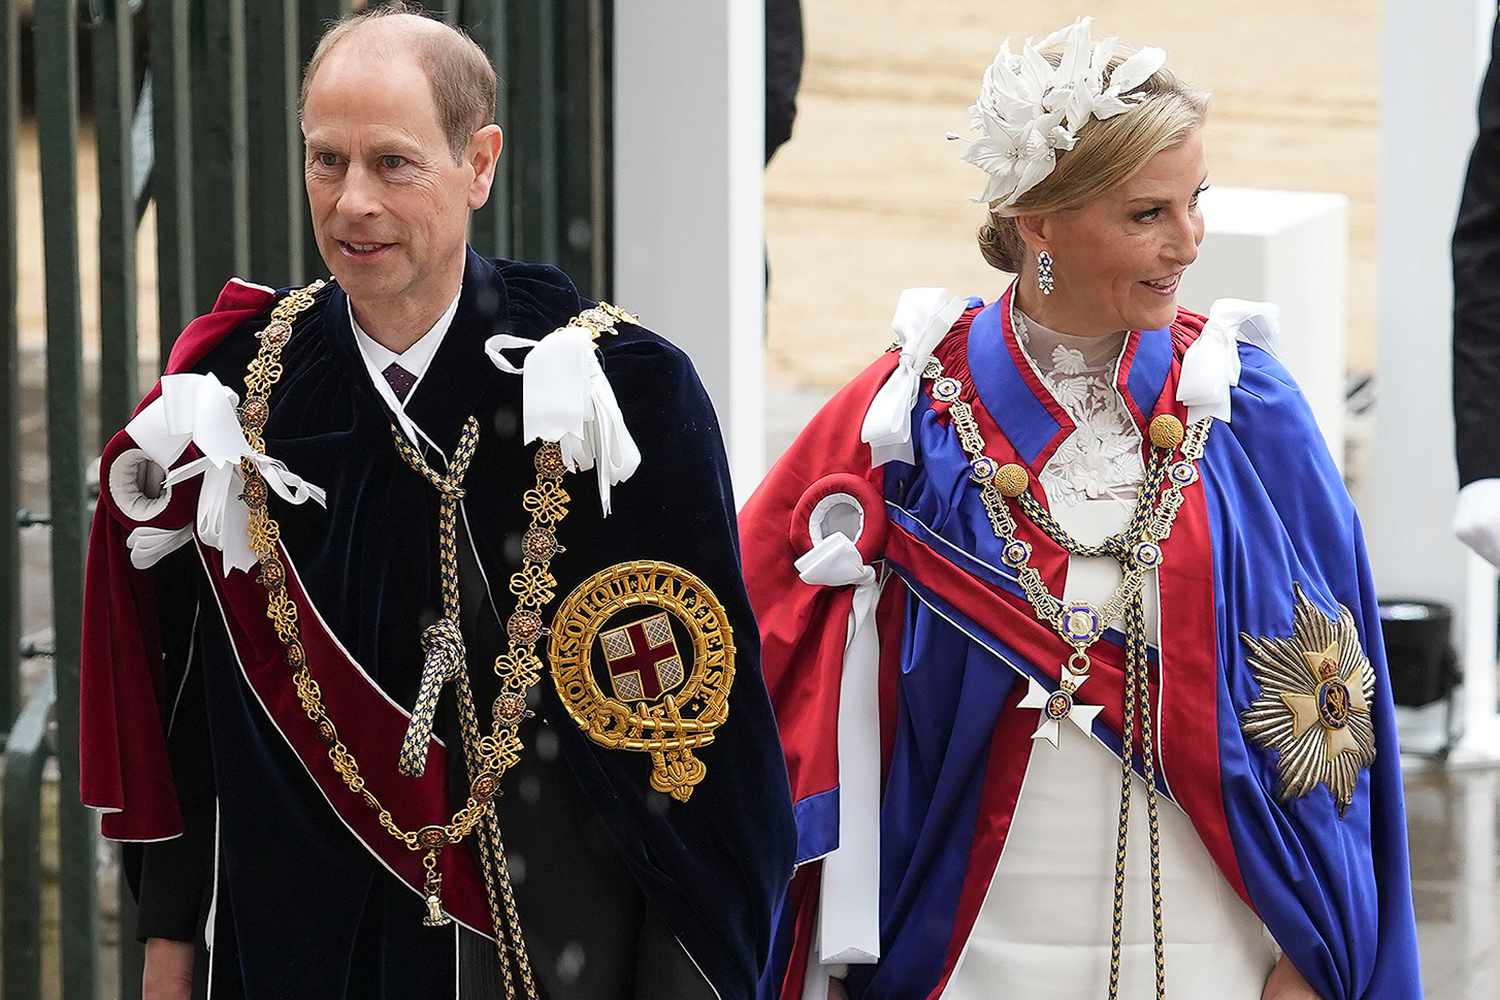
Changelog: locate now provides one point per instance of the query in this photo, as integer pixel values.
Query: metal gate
(193, 107)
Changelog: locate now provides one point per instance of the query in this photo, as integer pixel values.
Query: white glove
(1476, 522)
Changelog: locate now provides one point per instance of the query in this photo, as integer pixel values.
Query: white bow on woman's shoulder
(923, 316)
(1211, 366)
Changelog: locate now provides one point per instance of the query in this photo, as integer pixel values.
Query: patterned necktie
(400, 379)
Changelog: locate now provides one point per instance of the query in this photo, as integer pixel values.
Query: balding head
(457, 70)
(397, 123)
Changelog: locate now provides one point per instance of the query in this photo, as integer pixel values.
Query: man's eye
(328, 159)
(393, 162)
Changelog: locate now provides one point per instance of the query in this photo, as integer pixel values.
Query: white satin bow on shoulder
(923, 316)
(200, 410)
(567, 398)
(1211, 366)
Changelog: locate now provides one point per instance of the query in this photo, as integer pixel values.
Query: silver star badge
(1316, 688)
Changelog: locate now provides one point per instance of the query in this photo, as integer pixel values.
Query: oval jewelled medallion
(1183, 473)
(432, 836)
(254, 413)
(1016, 553)
(982, 469)
(485, 785)
(539, 544)
(1080, 623)
(295, 657)
(1147, 555)
(1059, 704)
(524, 627)
(254, 492)
(945, 389)
(272, 574)
(549, 460)
(510, 708)
(326, 732)
(276, 334)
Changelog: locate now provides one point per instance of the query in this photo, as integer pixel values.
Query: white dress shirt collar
(416, 359)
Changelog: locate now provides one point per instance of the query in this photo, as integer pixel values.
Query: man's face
(389, 205)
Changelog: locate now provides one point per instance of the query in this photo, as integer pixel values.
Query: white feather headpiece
(1028, 109)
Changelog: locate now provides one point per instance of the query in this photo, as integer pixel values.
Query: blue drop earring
(1044, 279)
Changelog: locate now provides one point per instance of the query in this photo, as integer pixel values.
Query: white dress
(1043, 932)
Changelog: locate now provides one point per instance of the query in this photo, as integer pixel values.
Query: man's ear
(483, 154)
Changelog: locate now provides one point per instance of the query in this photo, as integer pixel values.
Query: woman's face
(1117, 260)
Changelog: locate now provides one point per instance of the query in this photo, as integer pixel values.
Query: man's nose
(359, 196)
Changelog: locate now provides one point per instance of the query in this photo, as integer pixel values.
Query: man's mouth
(352, 249)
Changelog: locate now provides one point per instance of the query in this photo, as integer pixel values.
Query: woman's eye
(1149, 215)
(392, 162)
(1199, 193)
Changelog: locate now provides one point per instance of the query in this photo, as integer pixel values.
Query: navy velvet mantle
(714, 866)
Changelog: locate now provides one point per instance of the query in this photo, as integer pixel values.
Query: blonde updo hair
(1107, 152)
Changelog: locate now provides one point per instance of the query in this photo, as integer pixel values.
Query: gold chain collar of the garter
(519, 668)
(1137, 549)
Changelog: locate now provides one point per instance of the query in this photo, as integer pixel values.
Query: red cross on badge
(643, 658)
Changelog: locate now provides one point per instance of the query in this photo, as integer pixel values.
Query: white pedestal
(689, 250)
(1435, 56)
(1290, 248)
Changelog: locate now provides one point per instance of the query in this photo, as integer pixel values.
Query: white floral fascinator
(1028, 108)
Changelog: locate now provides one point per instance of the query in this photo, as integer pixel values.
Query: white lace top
(1102, 459)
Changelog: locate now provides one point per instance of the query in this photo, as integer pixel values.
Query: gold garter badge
(1314, 706)
(643, 658)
